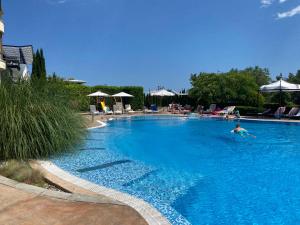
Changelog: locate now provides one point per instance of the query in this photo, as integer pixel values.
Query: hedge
(81, 102)
(244, 110)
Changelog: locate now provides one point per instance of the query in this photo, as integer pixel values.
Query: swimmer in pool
(241, 131)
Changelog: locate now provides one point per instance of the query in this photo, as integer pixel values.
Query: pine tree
(43, 65)
(39, 66)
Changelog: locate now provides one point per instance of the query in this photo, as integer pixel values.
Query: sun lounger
(226, 111)
(128, 109)
(211, 109)
(265, 113)
(279, 112)
(297, 116)
(153, 109)
(293, 112)
(93, 110)
(200, 109)
(186, 109)
(107, 111)
(117, 110)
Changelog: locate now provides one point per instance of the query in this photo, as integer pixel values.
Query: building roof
(18, 54)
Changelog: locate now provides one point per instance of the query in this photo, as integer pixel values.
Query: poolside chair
(297, 116)
(93, 110)
(293, 112)
(107, 111)
(279, 112)
(170, 107)
(264, 113)
(117, 110)
(187, 109)
(153, 109)
(226, 111)
(176, 109)
(211, 109)
(200, 109)
(120, 106)
(128, 109)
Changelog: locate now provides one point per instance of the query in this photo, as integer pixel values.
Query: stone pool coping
(283, 120)
(148, 212)
(42, 192)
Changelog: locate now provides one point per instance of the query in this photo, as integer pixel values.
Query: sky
(156, 42)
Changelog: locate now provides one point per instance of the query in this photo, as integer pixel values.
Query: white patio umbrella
(162, 93)
(99, 94)
(122, 95)
(280, 86)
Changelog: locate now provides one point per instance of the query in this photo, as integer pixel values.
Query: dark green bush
(244, 110)
(36, 121)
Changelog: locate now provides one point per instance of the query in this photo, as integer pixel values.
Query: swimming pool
(194, 170)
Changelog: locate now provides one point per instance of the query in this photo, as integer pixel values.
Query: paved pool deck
(23, 204)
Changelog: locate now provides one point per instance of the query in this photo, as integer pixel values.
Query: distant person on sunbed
(241, 131)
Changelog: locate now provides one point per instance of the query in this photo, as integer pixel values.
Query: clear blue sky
(156, 42)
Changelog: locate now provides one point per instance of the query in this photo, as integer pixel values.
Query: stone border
(102, 124)
(270, 120)
(73, 197)
(149, 213)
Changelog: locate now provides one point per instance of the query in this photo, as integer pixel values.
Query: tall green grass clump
(36, 121)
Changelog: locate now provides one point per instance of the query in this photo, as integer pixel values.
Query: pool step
(102, 166)
(161, 182)
(116, 174)
(139, 179)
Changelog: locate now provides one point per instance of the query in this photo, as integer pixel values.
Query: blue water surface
(195, 171)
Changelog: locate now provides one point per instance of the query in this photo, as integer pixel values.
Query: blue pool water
(195, 171)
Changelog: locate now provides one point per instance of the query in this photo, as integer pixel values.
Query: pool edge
(147, 211)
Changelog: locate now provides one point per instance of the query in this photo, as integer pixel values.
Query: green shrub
(22, 172)
(78, 95)
(244, 110)
(36, 122)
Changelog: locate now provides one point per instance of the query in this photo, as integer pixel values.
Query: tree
(39, 66)
(295, 96)
(232, 88)
(261, 75)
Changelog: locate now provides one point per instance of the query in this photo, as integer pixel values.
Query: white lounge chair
(279, 112)
(93, 110)
(226, 111)
(297, 116)
(211, 109)
(117, 110)
(128, 109)
(293, 112)
(107, 110)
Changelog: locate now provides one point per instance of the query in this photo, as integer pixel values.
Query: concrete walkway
(27, 205)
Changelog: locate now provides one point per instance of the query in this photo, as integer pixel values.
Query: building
(14, 60)
(2, 62)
